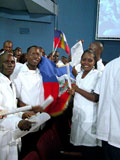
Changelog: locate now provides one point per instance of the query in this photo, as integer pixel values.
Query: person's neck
(85, 73)
(31, 67)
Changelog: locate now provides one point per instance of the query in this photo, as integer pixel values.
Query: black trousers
(110, 152)
(93, 153)
(87, 153)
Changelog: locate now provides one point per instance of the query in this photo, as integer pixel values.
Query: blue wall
(76, 18)
(39, 33)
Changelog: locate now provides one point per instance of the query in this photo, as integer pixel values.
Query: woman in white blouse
(83, 129)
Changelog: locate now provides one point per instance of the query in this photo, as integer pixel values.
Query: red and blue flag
(48, 71)
(60, 41)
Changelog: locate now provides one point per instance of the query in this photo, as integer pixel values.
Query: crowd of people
(94, 127)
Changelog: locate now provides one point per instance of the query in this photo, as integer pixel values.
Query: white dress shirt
(17, 69)
(29, 86)
(108, 121)
(8, 125)
(83, 130)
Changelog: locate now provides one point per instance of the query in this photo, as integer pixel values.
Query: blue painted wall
(76, 18)
(40, 33)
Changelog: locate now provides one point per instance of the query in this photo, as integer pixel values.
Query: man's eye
(90, 60)
(84, 59)
(13, 62)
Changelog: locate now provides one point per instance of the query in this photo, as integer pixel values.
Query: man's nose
(36, 56)
(10, 64)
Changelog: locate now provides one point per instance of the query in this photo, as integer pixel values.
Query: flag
(76, 53)
(51, 87)
(48, 70)
(60, 71)
(60, 41)
(63, 79)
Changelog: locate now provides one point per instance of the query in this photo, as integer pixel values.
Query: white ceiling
(32, 6)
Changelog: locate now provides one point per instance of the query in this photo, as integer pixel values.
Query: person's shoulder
(113, 63)
(98, 73)
(19, 64)
(18, 67)
(94, 71)
(23, 68)
(2, 78)
(3, 81)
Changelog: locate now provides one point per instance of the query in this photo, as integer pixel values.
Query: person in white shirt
(56, 60)
(29, 83)
(96, 47)
(30, 91)
(16, 71)
(83, 129)
(9, 123)
(108, 118)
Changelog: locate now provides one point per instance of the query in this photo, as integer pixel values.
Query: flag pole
(56, 48)
(68, 75)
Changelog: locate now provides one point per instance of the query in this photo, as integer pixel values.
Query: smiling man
(30, 91)
(29, 82)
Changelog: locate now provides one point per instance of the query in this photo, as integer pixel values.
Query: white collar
(26, 69)
(5, 79)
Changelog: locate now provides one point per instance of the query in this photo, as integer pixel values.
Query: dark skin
(96, 47)
(90, 96)
(17, 54)
(33, 59)
(56, 57)
(64, 60)
(8, 46)
(42, 51)
(7, 62)
(24, 125)
(74, 72)
(87, 63)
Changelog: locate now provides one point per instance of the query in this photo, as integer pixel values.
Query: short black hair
(34, 46)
